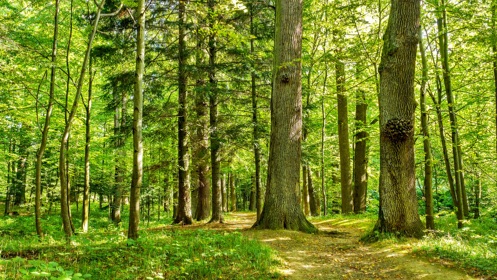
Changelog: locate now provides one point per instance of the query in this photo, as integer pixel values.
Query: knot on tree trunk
(398, 129)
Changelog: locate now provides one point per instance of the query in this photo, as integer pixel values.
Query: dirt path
(336, 253)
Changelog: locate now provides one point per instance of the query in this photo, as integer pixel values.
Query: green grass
(105, 252)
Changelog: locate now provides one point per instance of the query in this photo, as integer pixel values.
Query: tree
(360, 154)
(137, 177)
(398, 204)
(184, 214)
(281, 208)
(343, 141)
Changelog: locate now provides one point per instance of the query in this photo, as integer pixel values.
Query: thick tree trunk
(217, 211)
(343, 141)
(281, 208)
(360, 154)
(398, 203)
(428, 193)
(184, 214)
(137, 177)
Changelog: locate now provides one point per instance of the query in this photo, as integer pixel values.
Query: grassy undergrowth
(105, 252)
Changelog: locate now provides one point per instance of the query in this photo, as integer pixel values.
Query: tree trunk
(137, 177)
(443, 46)
(398, 203)
(255, 121)
(313, 197)
(252, 194)
(343, 141)
(86, 191)
(428, 193)
(44, 137)
(201, 143)
(64, 183)
(360, 154)
(232, 192)
(184, 214)
(477, 195)
(217, 211)
(120, 153)
(281, 208)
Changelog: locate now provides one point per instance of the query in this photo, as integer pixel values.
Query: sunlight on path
(336, 253)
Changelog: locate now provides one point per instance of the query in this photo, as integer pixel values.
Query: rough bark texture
(428, 193)
(398, 203)
(201, 143)
(217, 211)
(137, 177)
(343, 141)
(360, 154)
(184, 214)
(281, 208)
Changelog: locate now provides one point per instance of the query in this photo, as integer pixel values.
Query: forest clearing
(141, 139)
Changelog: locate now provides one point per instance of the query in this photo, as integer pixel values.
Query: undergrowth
(105, 252)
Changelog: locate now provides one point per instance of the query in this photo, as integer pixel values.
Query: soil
(337, 253)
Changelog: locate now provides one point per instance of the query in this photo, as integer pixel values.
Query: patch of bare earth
(337, 253)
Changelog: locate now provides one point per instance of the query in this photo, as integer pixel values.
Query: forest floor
(337, 252)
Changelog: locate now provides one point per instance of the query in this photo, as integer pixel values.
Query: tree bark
(281, 208)
(343, 141)
(86, 191)
(428, 193)
(360, 154)
(184, 214)
(137, 177)
(313, 195)
(398, 203)
(232, 192)
(217, 211)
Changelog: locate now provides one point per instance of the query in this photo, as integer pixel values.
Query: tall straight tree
(398, 203)
(430, 222)
(281, 208)
(85, 213)
(217, 211)
(343, 141)
(460, 192)
(184, 213)
(360, 153)
(44, 137)
(137, 177)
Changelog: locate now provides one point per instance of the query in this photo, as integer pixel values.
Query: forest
(248, 139)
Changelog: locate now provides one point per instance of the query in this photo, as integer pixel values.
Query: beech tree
(398, 204)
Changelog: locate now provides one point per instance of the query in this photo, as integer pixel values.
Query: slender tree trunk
(44, 137)
(120, 100)
(305, 191)
(494, 62)
(184, 214)
(86, 191)
(398, 203)
(343, 141)
(232, 192)
(430, 222)
(64, 195)
(477, 195)
(443, 46)
(252, 195)
(137, 177)
(281, 209)
(217, 211)
(313, 197)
